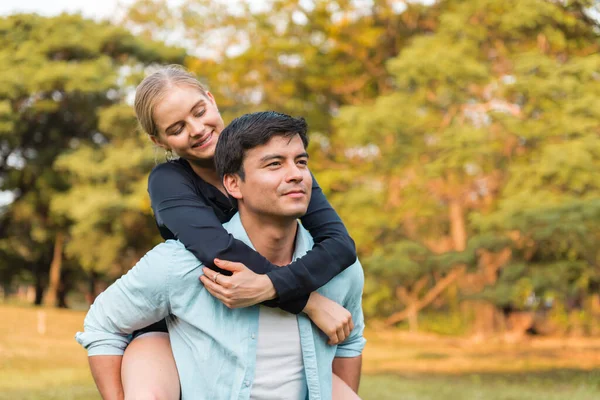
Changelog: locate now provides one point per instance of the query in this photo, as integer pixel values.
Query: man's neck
(273, 238)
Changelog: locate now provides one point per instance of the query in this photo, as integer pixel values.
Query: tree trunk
(91, 294)
(413, 318)
(485, 323)
(39, 291)
(5, 291)
(458, 229)
(429, 297)
(51, 297)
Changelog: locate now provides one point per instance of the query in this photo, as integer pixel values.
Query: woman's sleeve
(333, 251)
(194, 223)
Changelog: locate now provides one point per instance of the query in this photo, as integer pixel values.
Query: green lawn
(556, 385)
(51, 365)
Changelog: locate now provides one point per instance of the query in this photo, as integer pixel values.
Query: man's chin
(296, 213)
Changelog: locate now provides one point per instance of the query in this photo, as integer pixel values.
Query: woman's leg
(341, 391)
(148, 371)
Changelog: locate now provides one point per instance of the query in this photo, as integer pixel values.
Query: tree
(492, 118)
(59, 75)
(303, 58)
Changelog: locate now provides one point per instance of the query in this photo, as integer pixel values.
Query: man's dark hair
(250, 131)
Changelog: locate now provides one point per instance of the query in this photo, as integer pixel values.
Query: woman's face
(188, 123)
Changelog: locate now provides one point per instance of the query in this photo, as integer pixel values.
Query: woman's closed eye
(175, 131)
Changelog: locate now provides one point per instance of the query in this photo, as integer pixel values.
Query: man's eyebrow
(269, 157)
(201, 101)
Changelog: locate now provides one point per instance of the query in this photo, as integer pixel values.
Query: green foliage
(62, 95)
(490, 139)
(460, 136)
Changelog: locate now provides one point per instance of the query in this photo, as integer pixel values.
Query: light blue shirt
(214, 347)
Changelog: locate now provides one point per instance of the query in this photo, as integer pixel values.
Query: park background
(458, 140)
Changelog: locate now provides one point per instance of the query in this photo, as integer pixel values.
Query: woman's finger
(222, 280)
(333, 338)
(341, 334)
(229, 265)
(346, 331)
(218, 297)
(209, 284)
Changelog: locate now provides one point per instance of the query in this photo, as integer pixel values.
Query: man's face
(277, 179)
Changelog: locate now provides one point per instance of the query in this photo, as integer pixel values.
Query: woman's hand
(333, 319)
(242, 289)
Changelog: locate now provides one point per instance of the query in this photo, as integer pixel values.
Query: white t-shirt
(279, 372)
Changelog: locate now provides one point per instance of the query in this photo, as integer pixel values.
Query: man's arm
(136, 300)
(348, 356)
(348, 370)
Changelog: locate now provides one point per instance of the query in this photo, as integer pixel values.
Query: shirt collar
(303, 238)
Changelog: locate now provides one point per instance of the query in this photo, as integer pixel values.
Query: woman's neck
(208, 173)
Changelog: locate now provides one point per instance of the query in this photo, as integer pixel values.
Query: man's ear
(232, 185)
(158, 143)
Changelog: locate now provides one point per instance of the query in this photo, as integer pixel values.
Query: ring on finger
(216, 276)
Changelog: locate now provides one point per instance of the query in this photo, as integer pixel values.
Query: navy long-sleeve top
(191, 210)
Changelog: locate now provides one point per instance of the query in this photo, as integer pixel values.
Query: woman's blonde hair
(154, 87)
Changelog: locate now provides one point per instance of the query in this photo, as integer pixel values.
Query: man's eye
(274, 164)
(303, 162)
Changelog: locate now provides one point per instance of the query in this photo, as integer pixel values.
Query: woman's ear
(231, 182)
(157, 142)
(210, 97)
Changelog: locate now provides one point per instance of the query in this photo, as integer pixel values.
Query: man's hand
(242, 289)
(334, 320)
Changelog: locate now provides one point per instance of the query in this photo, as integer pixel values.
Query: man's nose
(294, 173)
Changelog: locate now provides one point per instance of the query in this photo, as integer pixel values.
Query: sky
(92, 9)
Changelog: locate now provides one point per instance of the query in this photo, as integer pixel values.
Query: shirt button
(253, 336)
(247, 383)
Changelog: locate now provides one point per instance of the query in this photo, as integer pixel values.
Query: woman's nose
(197, 127)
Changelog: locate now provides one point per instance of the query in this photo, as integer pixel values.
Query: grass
(51, 365)
(553, 385)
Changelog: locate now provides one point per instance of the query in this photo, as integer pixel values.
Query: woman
(190, 204)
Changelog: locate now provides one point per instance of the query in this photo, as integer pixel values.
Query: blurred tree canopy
(458, 140)
(491, 146)
(61, 92)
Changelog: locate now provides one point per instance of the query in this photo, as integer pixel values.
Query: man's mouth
(295, 193)
(203, 142)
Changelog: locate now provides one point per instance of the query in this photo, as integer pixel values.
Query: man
(248, 353)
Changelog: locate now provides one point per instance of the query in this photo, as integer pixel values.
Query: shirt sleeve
(137, 299)
(194, 222)
(355, 343)
(333, 252)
